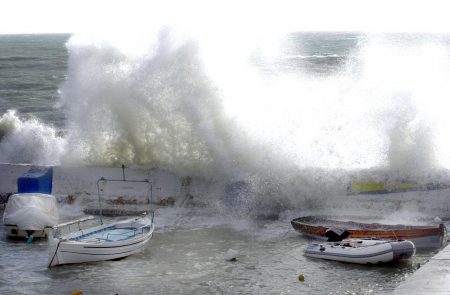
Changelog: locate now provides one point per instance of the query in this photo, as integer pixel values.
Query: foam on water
(29, 141)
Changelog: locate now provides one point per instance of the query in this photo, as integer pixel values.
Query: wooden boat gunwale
(316, 226)
(87, 244)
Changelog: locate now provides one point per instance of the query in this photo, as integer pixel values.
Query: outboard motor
(335, 234)
(30, 236)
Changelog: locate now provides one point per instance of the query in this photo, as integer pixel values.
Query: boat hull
(422, 236)
(81, 249)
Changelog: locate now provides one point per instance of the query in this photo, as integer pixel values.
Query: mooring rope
(57, 247)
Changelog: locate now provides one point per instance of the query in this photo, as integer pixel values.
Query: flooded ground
(190, 253)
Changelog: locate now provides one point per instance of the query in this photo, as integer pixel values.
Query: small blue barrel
(36, 180)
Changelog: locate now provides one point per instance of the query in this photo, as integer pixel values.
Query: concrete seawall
(8, 176)
(169, 188)
(83, 180)
(70, 183)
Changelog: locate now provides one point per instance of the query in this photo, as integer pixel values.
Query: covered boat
(30, 215)
(362, 251)
(422, 236)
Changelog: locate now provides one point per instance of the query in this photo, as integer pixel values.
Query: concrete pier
(431, 278)
(83, 180)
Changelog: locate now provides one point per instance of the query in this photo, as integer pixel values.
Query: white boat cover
(31, 211)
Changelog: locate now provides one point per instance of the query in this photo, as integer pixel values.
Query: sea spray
(406, 75)
(198, 107)
(157, 109)
(229, 111)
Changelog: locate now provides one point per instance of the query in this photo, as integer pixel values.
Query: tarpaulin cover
(31, 211)
(36, 180)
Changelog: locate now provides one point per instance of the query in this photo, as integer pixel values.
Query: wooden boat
(421, 236)
(104, 242)
(362, 251)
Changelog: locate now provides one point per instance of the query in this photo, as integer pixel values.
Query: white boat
(30, 215)
(104, 242)
(362, 251)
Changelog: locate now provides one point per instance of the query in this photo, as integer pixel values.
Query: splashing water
(29, 141)
(203, 104)
(287, 127)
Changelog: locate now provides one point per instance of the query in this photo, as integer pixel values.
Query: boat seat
(122, 235)
(90, 240)
(103, 239)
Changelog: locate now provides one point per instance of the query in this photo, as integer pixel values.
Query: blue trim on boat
(97, 254)
(100, 247)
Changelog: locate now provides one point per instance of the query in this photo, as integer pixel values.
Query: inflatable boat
(362, 251)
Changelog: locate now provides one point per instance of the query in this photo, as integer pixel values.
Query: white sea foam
(199, 108)
(218, 106)
(28, 141)
(154, 109)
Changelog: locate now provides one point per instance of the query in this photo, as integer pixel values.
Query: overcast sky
(58, 16)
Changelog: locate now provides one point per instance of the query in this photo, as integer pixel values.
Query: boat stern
(403, 249)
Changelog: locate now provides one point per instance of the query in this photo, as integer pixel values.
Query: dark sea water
(31, 69)
(194, 259)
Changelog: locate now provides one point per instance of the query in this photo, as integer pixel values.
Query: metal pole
(99, 201)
